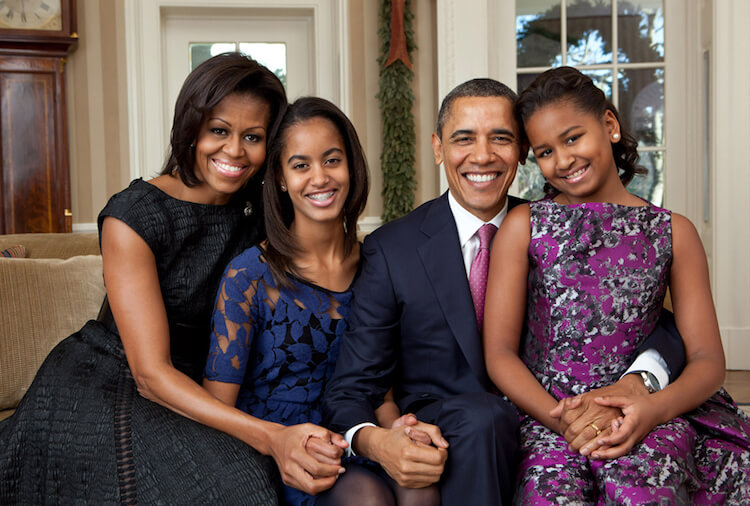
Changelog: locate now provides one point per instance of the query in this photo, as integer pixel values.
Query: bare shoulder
(683, 229)
(119, 238)
(164, 182)
(517, 220)
(682, 223)
(686, 243)
(514, 235)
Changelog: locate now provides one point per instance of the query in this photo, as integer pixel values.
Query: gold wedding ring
(597, 429)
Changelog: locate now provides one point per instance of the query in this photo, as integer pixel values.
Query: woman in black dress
(116, 414)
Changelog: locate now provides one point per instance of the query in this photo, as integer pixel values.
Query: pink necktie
(479, 269)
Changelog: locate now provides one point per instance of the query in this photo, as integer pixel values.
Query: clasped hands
(308, 456)
(607, 422)
(604, 423)
(413, 453)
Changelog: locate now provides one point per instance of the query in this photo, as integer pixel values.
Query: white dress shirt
(468, 225)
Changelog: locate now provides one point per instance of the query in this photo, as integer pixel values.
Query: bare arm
(225, 392)
(388, 412)
(506, 295)
(696, 320)
(135, 298)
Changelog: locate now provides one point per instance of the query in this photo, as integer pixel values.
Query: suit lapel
(444, 264)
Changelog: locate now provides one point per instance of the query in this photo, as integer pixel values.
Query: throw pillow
(17, 251)
(43, 301)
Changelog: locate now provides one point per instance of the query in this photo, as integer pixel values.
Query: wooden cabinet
(34, 150)
(34, 171)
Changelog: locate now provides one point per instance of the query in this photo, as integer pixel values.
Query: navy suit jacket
(412, 324)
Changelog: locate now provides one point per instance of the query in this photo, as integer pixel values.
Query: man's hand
(411, 463)
(299, 468)
(577, 414)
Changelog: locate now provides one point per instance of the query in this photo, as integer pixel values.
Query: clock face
(30, 14)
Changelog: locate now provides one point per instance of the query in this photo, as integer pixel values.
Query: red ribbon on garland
(397, 50)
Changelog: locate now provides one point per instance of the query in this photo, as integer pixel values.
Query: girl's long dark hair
(282, 247)
(567, 83)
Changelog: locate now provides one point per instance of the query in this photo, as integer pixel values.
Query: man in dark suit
(416, 319)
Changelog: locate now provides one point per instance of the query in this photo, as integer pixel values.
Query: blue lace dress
(280, 345)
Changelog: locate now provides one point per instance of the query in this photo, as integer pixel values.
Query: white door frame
(144, 53)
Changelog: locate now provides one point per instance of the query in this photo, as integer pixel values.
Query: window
(603, 39)
(272, 55)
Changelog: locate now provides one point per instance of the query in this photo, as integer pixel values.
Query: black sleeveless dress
(82, 434)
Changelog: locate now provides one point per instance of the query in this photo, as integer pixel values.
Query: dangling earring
(283, 188)
(248, 208)
(615, 136)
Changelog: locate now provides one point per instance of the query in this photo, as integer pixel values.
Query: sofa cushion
(42, 302)
(16, 251)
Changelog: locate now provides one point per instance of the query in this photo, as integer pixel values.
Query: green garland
(396, 98)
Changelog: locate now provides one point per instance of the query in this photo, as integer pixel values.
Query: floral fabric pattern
(280, 345)
(597, 279)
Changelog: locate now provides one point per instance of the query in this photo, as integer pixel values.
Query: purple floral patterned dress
(597, 279)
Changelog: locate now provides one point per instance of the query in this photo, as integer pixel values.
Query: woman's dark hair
(567, 83)
(279, 212)
(203, 89)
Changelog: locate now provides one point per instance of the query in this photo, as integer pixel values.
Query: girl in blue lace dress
(282, 306)
(591, 264)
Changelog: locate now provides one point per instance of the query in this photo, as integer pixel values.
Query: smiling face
(574, 150)
(231, 146)
(315, 171)
(480, 148)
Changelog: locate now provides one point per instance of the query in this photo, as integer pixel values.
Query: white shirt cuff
(349, 436)
(651, 361)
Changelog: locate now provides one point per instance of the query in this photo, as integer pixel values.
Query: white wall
(730, 192)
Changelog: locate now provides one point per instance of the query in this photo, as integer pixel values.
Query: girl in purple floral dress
(594, 262)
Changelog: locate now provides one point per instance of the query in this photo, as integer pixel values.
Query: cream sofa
(44, 298)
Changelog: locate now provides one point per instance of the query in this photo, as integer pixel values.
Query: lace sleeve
(232, 327)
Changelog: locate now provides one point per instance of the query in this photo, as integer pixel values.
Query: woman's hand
(409, 421)
(301, 468)
(577, 414)
(327, 451)
(642, 414)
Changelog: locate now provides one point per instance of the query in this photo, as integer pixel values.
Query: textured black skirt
(82, 434)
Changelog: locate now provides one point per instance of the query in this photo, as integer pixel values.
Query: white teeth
(321, 196)
(575, 174)
(228, 168)
(481, 178)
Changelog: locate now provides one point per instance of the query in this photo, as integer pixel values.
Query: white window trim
(491, 51)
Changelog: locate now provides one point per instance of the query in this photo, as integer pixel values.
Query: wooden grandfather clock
(36, 37)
